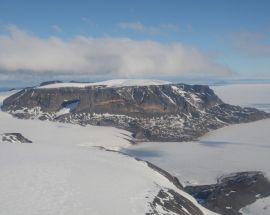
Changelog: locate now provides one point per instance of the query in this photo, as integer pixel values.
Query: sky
(172, 40)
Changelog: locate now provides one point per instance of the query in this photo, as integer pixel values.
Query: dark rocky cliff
(232, 192)
(171, 112)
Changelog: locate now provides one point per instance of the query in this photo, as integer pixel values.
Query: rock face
(14, 138)
(170, 112)
(168, 201)
(231, 193)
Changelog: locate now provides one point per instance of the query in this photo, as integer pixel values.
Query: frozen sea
(242, 147)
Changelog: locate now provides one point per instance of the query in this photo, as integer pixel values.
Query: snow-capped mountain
(151, 110)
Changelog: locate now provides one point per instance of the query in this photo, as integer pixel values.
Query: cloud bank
(23, 51)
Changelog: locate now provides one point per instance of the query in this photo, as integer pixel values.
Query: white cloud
(138, 26)
(22, 51)
(88, 21)
(169, 26)
(57, 29)
(251, 44)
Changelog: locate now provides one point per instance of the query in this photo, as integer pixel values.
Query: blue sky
(231, 37)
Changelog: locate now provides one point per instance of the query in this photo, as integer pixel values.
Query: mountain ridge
(159, 112)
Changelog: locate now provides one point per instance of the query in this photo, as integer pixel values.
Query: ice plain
(233, 148)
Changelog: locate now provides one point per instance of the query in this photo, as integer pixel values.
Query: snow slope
(230, 149)
(62, 173)
(109, 83)
(260, 207)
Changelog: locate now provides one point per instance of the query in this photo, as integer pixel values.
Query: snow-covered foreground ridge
(62, 173)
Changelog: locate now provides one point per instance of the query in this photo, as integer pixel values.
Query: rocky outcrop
(14, 138)
(171, 112)
(168, 201)
(231, 193)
